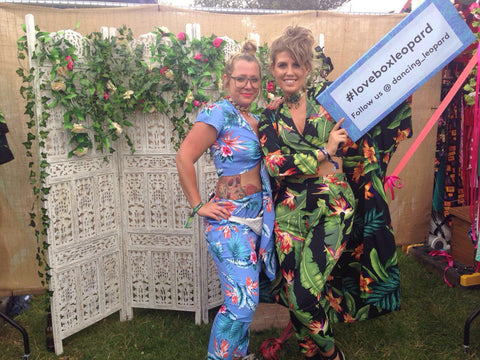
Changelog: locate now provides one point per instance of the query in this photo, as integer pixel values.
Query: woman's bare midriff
(235, 187)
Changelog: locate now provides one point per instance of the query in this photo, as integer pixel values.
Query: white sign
(403, 60)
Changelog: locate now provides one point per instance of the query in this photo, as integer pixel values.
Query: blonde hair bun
(249, 47)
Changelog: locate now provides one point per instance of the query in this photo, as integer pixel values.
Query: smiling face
(289, 75)
(243, 96)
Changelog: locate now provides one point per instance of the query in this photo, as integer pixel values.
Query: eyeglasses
(242, 81)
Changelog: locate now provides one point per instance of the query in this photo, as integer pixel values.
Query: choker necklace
(293, 100)
(238, 106)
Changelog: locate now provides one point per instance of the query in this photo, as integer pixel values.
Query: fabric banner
(403, 60)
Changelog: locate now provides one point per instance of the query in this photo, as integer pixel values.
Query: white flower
(128, 94)
(78, 128)
(472, 94)
(117, 127)
(80, 151)
(111, 86)
(62, 71)
(189, 97)
(271, 96)
(169, 74)
(58, 86)
(164, 29)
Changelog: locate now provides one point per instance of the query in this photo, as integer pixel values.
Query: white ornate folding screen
(117, 237)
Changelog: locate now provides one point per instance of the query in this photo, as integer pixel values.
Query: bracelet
(329, 158)
(192, 215)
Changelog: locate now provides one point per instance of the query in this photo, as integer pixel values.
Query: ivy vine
(102, 93)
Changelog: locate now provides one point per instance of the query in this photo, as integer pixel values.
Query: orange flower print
(358, 172)
(349, 145)
(335, 254)
(274, 159)
(322, 189)
(368, 193)
(252, 286)
(232, 294)
(364, 282)
(348, 318)
(288, 276)
(288, 172)
(334, 301)
(310, 347)
(221, 351)
(227, 230)
(263, 140)
(316, 326)
(340, 206)
(267, 201)
(402, 135)
(286, 242)
(386, 158)
(289, 200)
(369, 152)
(358, 252)
(323, 112)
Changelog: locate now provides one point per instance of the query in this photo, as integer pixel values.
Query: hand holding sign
(403, 60)
(338, 136)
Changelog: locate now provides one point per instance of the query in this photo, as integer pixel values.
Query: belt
(256, 223)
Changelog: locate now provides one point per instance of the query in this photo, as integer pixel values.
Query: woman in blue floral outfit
(238, 221)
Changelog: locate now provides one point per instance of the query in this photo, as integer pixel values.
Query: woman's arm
(198, 140)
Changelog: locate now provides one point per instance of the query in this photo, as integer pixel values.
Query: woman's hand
(337, 137)
(214, 210)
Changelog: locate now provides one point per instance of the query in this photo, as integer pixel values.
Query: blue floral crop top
(237, 148)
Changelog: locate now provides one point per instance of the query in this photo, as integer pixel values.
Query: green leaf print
(386, 294)
(377, 265)
(373, 222)
(378, 186)
(311, 277)
(350, 301)
(306, 163)
(362, 313)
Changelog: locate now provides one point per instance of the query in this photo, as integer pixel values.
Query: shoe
(338, 352)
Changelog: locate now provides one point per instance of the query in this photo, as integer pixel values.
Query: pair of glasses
(242, 81)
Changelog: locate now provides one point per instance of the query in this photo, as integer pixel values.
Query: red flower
(70, 62)
(198, 56)
(271, 86)
(205, 60)
(196, 103)
(181, 36)
(217, 42)
(105, 95)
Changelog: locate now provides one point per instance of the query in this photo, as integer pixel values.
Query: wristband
(192, 215)
(329, 158)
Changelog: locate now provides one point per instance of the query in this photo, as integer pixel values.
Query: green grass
(429, 327)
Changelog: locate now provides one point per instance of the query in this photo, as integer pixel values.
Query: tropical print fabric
(365, 282)
(313, 218)
(358, 278)
(237, 251)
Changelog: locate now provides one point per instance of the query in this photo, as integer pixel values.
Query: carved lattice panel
(117, 236)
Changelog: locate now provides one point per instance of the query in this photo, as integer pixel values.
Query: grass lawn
(429, 327)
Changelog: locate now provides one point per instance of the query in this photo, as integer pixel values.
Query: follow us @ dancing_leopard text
(394, 70)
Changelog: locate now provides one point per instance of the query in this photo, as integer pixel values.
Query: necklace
(238, 106)
(293, 101)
